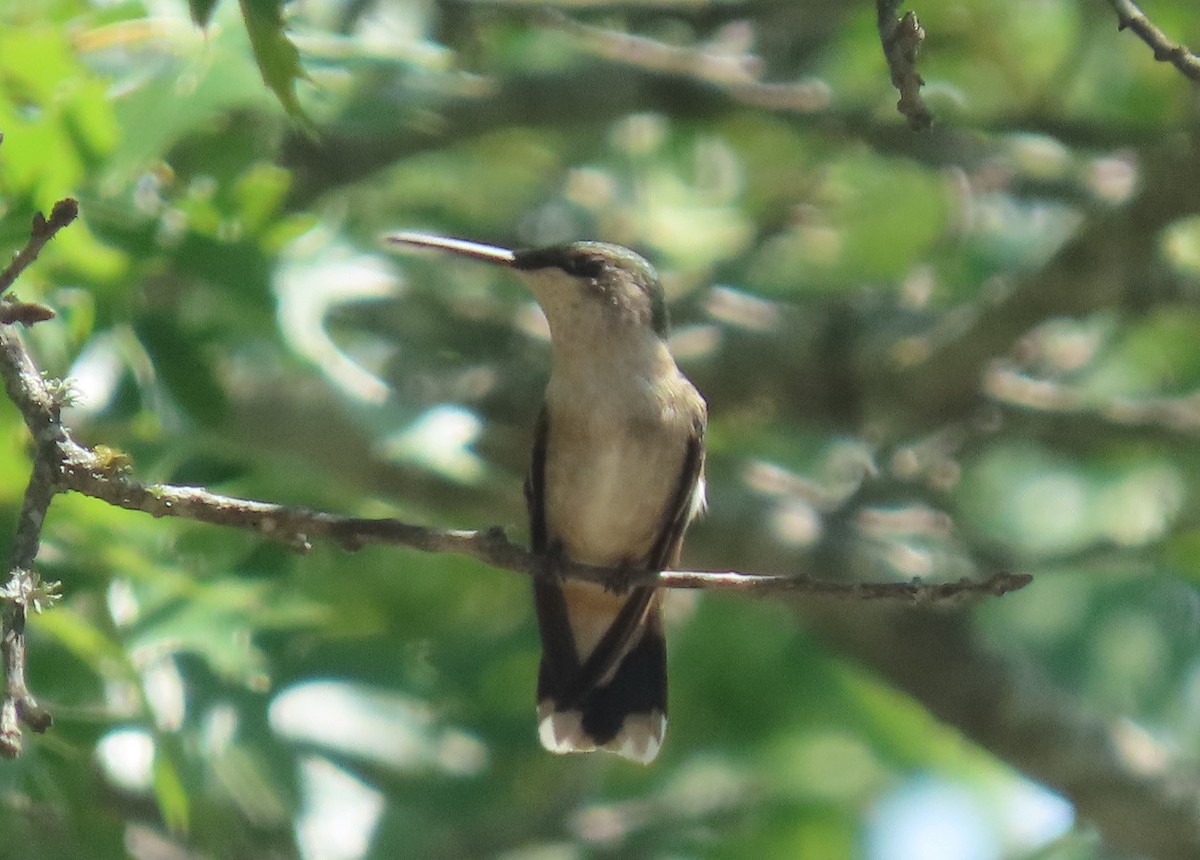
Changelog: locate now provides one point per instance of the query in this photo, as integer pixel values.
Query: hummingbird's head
(595, 279)
(583, 288)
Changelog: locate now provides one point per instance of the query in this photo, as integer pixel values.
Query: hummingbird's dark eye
(583, 266)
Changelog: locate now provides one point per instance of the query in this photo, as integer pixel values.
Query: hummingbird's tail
(603, 677)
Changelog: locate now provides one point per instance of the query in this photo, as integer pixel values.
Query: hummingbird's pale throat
(616, 476)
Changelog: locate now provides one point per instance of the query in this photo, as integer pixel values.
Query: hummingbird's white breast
(615, 454)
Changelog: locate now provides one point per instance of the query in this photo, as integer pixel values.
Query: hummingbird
(615, 478)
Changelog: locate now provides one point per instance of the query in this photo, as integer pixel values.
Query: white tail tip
(639, 739)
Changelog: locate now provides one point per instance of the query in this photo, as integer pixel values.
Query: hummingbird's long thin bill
(475, 250)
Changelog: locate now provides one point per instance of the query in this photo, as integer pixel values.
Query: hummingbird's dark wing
(535, 484)
(560, 660)
(624, 676)
(559, 657)
(683, 506)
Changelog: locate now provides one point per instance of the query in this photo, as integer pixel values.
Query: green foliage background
(840, 286)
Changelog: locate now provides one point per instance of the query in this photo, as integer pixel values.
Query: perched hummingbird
(617, 474)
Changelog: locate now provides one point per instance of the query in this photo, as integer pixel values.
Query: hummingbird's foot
(624, 579)
(550, 564)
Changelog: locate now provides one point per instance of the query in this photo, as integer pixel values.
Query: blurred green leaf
(202, 11)
(180, 358)
(277, 57)
(170, 794)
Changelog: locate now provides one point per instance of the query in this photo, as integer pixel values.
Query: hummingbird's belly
(607, 494)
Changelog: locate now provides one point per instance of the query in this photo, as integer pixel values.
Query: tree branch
(40, 407)
(901, 39)
(23, 591)
(85, 471)
(1129, 16)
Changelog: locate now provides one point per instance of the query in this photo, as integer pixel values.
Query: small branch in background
(1130, 17)
(727, 66)
(1005, 384)
(901, 39)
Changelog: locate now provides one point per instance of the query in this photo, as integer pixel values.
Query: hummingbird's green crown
(606, 266)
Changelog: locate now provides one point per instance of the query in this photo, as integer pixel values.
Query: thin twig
(1130, 17)
(43, 230)
(901, 40)
(25, 313)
